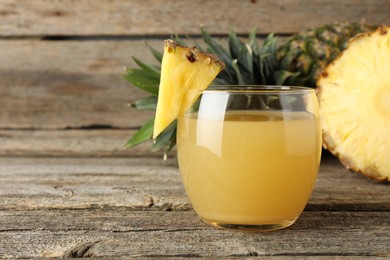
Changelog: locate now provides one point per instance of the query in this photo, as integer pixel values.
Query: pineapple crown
(298, 61)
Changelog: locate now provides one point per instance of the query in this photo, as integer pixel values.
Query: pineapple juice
(249, 167)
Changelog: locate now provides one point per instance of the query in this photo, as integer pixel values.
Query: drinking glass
(249, 155)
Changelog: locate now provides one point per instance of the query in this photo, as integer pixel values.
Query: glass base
(251, 227)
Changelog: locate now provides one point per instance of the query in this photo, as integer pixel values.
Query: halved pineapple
(182, 69)
(354, 98)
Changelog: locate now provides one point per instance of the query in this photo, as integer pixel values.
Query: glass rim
(242, 88)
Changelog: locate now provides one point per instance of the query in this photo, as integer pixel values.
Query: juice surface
(249, 167)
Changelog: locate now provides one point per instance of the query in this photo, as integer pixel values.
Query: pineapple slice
(182, 69)
(354, 98)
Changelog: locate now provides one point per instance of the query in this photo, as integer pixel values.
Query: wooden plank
(339, 189)
(86, 183)
(72, 143)
(60, 84)
(155, 17)
(124, 233)
(95, 56)
(152, 184)
(51, 100)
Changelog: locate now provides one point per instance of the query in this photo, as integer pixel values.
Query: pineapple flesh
(182, 69)
(354, 98)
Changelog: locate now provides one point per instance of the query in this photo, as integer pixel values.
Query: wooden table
(136, 207)
(67, 188)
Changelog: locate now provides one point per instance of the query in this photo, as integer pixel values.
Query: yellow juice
(249, 167)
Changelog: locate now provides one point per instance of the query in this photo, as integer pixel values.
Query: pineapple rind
(312, 50)
(354, 97)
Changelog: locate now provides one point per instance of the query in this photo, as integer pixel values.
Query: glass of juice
(249, 155)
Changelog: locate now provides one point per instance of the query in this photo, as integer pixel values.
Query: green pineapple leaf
(198, 46)
(179, 40)
(235, 45)
(220, 81)
(269, 59)
(252, 41)
(214, 47)
(150, 69)
(148, 103)
(285, 77)
(260, 69)
(156, 54)
(170, 145)
(164, 140)
(253, 44)
(237, 71)
(142, 80)
(142, 135)
(245, 64)
(285, 61)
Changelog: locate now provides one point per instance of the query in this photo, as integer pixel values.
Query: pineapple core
(182, 69)
(354, 97)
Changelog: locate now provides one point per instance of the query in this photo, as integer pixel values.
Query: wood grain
(89, 183)
(155, 17)
(60, 84)
(136, 207)
(147, 183)
(123, 233)
(72, 143)
(95, 56)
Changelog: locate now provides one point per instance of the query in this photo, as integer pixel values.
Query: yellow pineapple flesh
(182, 69)
(354, 98)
